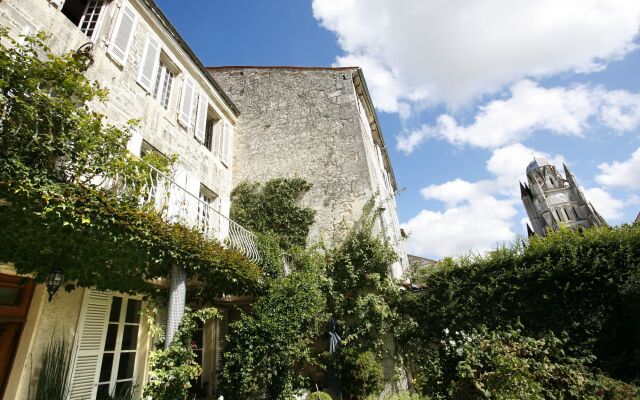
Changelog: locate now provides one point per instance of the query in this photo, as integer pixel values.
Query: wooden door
(15, 298)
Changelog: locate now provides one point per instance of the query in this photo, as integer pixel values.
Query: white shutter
(148, 68)
(222, 327)
(225, 207)
(201, 122)
(226, 142)
(134, 145)
(193, 186)
(186, 102)
(122, 35)
(90, 337)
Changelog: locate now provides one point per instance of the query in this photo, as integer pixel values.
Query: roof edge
(293, 67)
(383, 148)
(183, 44)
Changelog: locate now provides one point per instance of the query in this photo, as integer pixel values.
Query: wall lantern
(53, 282)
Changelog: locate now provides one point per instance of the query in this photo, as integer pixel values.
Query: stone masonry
(298, 122)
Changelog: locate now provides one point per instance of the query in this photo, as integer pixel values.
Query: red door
(15, 298)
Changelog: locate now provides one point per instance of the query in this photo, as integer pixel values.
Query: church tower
(552, 200)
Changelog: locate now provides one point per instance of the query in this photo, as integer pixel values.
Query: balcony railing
(176, 204)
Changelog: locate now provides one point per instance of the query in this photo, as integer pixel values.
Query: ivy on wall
(272, 208)
(52, 214)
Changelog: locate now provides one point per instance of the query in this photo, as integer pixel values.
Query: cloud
(609, 207)
(477, 214)
(531, 108)
(453, 51)
(621, 173)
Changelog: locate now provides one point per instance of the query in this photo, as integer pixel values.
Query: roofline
(223, 67)
(163, 18)
(378, 129)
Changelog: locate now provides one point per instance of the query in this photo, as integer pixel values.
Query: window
(209, 134)
(86, 14)
(119, 353)
(205, 212)
(197, 344)
(575, 212)
(164, 81)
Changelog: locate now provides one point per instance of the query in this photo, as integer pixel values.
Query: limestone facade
(318, 124)
(153, 77)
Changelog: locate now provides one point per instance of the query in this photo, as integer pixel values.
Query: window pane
(112, 333)
(103, 392)
(105, 369)
(133, 311)
(130, 337)
(123, 390)
(127, 362)
(116, 304)
(9, 296)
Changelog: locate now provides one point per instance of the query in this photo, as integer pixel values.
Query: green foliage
(361, 299)
(172, 369)
(53, 147)
(582, 283)
(266, 346)
(360, 373)
(505, 365)
(53, 378)
(272, 208)
(319, 396)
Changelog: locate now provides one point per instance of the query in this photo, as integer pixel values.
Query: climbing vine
(172, 369)
(272, 208)
(54, 151)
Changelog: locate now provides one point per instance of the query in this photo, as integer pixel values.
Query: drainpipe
(177, 296)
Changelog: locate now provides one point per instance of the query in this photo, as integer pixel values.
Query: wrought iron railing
(177, 204)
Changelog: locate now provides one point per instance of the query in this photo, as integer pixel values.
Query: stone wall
(303, 123)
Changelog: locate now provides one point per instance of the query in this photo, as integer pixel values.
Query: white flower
(446, 331)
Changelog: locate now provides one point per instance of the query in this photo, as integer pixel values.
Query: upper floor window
(212, 124)
(86, 14)
(164, 81)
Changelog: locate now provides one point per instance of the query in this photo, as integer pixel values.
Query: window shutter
(193, 186)
(201, 123)
(226, 143)
(134, 145)
(149, 63)
(90, 337)
(186, 102)
(122, 35)
(221, 333)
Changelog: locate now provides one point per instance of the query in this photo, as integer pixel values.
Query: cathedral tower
(552, 200)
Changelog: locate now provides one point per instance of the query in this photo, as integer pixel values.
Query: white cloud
(478, 214)
(609, 207)
(476, 226)
(621, 173)
(452, 51)
(530, 108)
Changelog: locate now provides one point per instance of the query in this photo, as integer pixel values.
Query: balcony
(176, 204)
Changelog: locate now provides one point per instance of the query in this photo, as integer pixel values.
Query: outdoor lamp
(53, 282)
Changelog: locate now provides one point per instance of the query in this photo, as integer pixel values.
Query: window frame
(161, 92)
(117, 350)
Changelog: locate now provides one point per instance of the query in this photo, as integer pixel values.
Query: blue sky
(466, 93)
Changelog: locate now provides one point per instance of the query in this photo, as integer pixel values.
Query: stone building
(552, 200)
(318, 124)
(152, 75)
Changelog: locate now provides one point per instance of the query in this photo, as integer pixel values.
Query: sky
(467, 92)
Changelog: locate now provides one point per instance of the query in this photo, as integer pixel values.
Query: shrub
(360, 373)
(584, 283)
(319, 396)
(504, 364)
